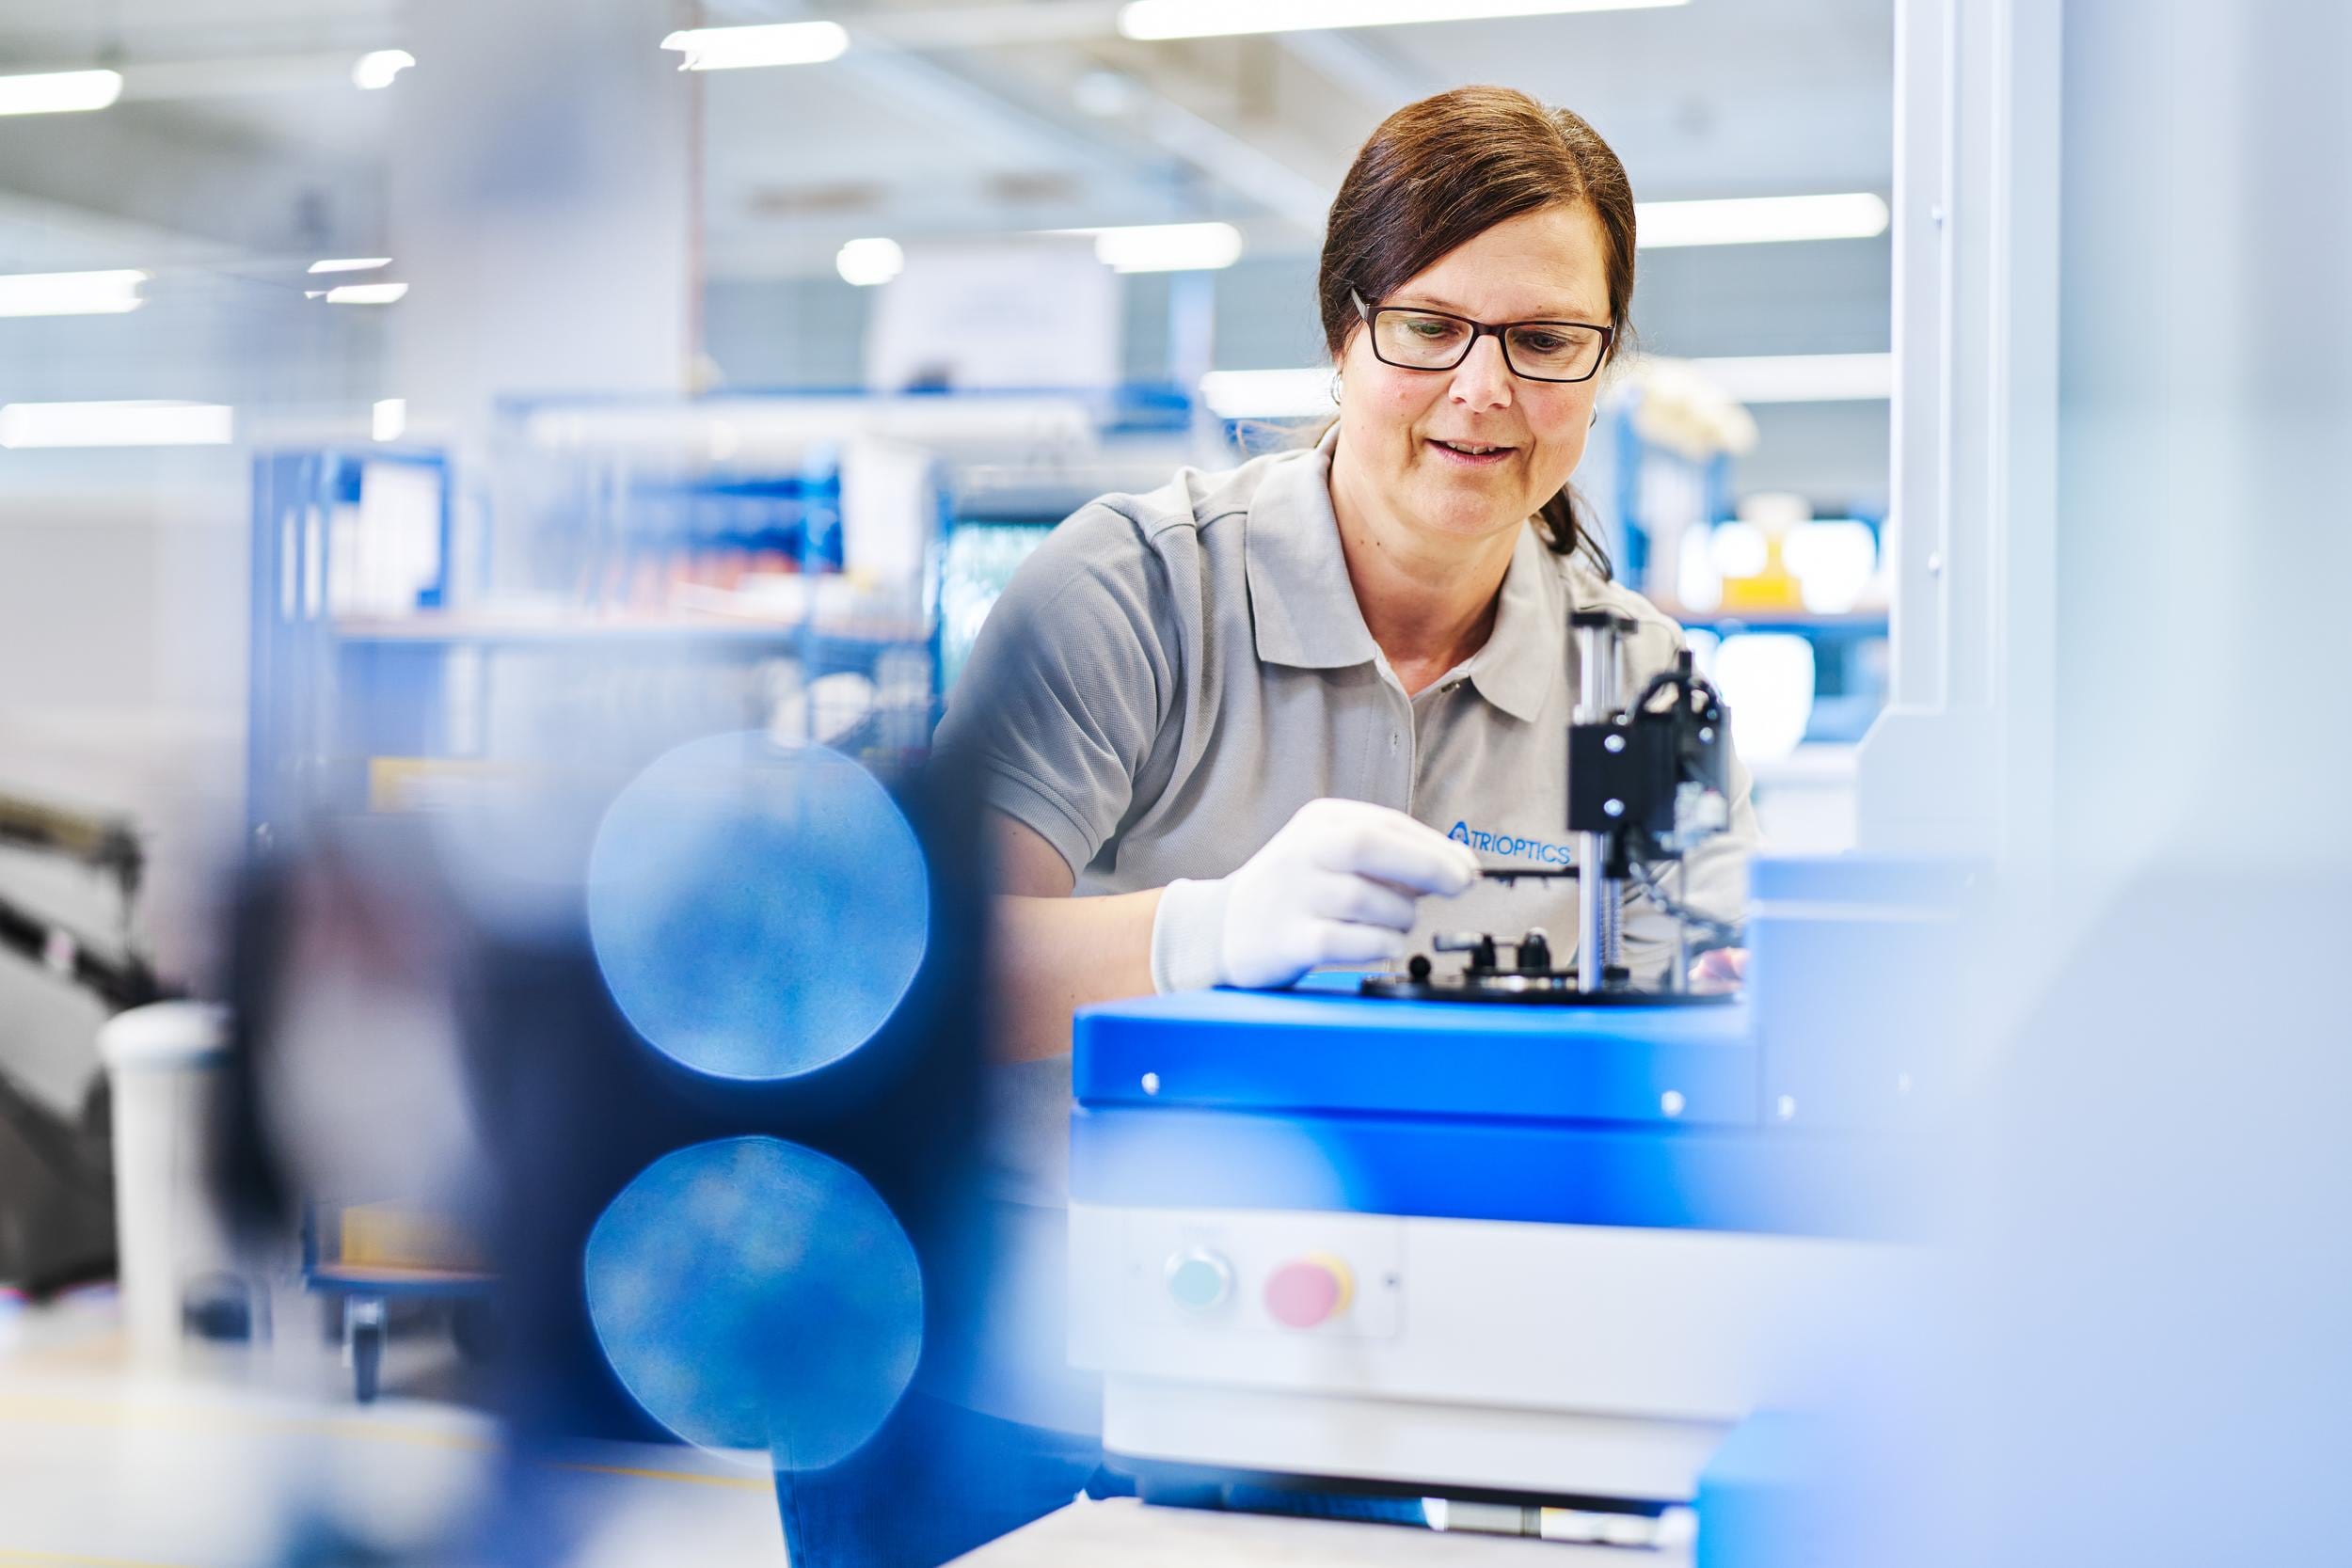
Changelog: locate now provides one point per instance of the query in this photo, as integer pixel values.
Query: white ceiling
(1717, 98)
(46, 32)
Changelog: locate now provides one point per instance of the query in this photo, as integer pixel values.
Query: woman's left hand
(1720, 968)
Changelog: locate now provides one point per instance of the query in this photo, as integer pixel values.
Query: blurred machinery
(116, 972)
(56, 1178)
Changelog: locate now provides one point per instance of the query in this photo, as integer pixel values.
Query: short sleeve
(1060, 704)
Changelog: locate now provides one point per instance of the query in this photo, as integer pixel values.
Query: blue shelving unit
(302, 502)
(637, 556)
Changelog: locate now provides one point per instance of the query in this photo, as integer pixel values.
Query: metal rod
(1592, 967)
(1597, 659)
(1611, 924)
(1681, 975)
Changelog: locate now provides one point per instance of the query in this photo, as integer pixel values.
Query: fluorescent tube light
(387, 421)
(365, 294)
(1760, 220)
(867, 262)
(1801, 378)
(115, 424)
(352, 263)
(1192, 19)
(69, 293)
(1165, 247)
(60, 92)
(770, 43)
(379, 68)
(1268, 394)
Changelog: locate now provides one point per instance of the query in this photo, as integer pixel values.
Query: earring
(1335, 386)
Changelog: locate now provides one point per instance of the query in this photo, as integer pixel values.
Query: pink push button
(1308, 1291)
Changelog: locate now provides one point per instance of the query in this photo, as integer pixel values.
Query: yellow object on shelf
(1773, 588)
(391, 1236)
(401, 784)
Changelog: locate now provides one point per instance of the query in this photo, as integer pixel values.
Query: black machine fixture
(1648, 782)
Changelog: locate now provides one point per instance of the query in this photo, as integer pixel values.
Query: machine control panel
(1314, 1276)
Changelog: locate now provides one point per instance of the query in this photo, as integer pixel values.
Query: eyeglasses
(1413, 339)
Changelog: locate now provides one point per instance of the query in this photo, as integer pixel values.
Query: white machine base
(1544, 1360)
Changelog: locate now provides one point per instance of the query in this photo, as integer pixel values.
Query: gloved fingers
(1339, 895)
(1276, 960)
(1344, 942)
(1392, 847)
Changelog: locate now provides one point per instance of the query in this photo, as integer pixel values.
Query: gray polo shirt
(1172, 676)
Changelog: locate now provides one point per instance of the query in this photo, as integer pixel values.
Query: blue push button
(1200, 1279)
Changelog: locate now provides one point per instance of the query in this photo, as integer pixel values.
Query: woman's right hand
(1336, 885)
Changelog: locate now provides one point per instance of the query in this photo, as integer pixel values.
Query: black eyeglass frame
(1370, 314)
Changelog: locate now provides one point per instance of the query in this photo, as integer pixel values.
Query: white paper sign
(1031, 313)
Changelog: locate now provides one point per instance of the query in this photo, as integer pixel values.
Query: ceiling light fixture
(115, 424)
(1760, 220)
(1165, 247)
(71, 293)
(378, 68)
(867, 262)
(1193, 19)
(365, 294)
(60, 92)
(352, 264)
(770, 43)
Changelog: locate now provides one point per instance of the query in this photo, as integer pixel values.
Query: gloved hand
(1336, 885)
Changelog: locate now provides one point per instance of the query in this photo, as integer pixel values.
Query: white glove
(1335, 886)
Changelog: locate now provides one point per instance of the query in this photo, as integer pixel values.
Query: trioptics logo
(1504, 844)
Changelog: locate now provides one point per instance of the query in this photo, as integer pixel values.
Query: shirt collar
(1516, 669)
(1302, 606)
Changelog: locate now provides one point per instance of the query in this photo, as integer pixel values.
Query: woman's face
(1401, 431)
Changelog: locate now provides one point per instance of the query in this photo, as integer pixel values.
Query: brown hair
(1442, 171)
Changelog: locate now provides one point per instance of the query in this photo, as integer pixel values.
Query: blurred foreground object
(163, 1064)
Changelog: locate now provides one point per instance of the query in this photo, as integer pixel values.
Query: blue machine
(1483, 1251)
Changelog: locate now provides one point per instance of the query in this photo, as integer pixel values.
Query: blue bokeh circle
(751, 1293)
(758, 910)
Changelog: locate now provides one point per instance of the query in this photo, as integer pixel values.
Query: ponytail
(1565, 523)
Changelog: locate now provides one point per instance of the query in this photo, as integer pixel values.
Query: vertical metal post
(1679, 976)
(1598, 654)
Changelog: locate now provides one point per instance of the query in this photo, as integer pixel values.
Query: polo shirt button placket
(1403, 747)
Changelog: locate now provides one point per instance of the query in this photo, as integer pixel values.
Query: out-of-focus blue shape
(758, 910)
(1761, 1503)
(751, 1293)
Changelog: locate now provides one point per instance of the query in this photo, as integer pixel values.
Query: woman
(1259, 715)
